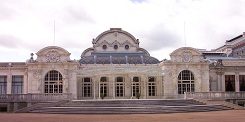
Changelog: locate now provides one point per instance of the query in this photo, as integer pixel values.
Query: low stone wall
(12, 106)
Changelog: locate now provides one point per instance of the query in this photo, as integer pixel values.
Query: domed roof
(112, 30)
(118, 58)
(116, 46)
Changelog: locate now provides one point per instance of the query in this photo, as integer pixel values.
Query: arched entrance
(53, 82)
(185, 82)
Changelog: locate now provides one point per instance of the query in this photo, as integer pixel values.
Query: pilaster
(25, 83)
(221, 84)
(237, 88)
(9, 83)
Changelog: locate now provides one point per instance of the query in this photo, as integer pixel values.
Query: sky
(162, 26)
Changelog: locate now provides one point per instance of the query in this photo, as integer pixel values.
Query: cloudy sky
(26, 26)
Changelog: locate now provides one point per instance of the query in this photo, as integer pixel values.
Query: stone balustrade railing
(214, 95)
(34, 97)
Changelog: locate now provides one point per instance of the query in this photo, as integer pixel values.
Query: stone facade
(116, 67)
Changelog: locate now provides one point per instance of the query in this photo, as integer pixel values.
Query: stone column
(174, 93)
(38, 76)
(162, 85)
(131, 87)
(127, 82)
(110, 87)
(65, 80)
(199, 74)
(94, 86)
(25, 83)
(113, 87)
(223, 82)
(99, 86)
(237, 88)
(9, 83)
(220, 75)
(159, 89)
(145, 86)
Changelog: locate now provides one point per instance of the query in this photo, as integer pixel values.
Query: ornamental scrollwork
(53, 56)
(186, 56)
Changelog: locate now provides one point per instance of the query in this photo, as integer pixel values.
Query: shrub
(102, 96)
(137, 95)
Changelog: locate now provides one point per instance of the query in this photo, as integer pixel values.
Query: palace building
(116, 67)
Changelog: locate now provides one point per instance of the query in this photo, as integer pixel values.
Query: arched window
(185, 82)
(53, 82)
(104, 86)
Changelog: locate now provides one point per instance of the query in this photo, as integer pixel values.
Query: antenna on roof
(115, 21)
(184, 34)
(54, 33)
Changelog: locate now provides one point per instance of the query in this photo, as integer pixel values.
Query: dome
(118, 58)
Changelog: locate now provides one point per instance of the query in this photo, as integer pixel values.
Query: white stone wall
(185, 59)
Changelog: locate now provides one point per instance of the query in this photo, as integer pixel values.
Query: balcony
(214, 95)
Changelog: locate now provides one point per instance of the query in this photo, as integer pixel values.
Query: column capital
(220, 72)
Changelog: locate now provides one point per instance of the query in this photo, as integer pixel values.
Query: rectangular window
(229, 82)
(135, 86)
(17, 84)
(120, 87)
(103, 89)
(87, 87)
(119, 90)
(242, 82)
(3, 84)
(151, 87)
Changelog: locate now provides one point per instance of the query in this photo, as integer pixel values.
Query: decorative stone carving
(53, 56)
(154, 71)
(37, 76)
(186, 56)
(65, 81)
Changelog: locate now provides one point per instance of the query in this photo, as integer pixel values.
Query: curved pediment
(115, 40)
(186, 54)
(115, 32)
(53, 54)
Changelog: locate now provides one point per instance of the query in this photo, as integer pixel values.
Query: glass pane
(242, 82)
(229, 82)
(17, 84)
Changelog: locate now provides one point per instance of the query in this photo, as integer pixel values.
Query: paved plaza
(217, 116)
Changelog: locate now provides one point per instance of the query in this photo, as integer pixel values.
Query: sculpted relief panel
(186, 54)
(53, 54)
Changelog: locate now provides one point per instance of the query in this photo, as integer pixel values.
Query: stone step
(130, 107)
(133, 103)
(224, 103)
(113, 110)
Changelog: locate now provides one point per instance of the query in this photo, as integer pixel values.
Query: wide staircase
(129, 107)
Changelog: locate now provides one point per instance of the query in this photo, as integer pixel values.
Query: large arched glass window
(53, 82)
(185, 82)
